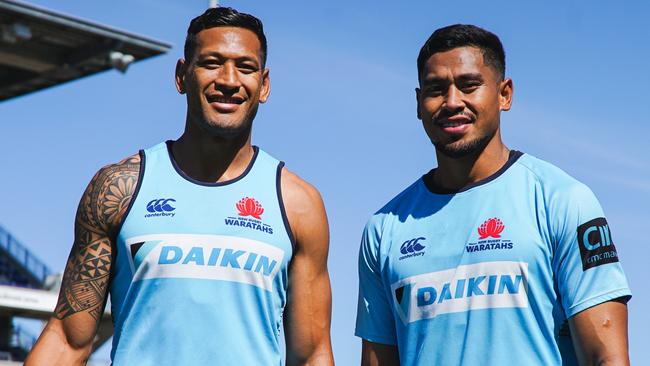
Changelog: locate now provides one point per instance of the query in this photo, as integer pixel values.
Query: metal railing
(23, 256)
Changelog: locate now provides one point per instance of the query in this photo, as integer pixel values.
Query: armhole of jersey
(285, 219)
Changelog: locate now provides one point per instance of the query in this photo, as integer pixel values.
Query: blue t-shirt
(487, 275)
(201, 272)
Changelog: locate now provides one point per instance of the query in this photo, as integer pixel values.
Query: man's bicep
(85, 281)
(67, 338)
(600, 334)
(308, 312)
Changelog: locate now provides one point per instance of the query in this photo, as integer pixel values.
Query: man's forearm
(613, 360)
(53, 349)
(322, 357)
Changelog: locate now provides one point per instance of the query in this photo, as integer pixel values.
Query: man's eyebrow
(434, 80)
(221, 56)
(469, 77)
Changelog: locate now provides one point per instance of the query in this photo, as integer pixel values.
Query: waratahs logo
(248, 206)
(412, 248)
(161, 207)
(489, 237)
(491, 227)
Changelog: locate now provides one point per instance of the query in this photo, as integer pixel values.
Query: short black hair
(223, 17)
(465, 35)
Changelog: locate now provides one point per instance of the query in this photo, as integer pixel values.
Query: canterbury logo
(491, 227)
(249, 206)
(161, 205)
(412, 246)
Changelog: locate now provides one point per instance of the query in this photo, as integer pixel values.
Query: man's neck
(212, 159)
(456, 173)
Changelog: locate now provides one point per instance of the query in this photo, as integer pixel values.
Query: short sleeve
(375, 322)
(585, 262)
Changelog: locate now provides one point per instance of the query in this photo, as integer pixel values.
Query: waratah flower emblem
(491, 227)
(249, 206)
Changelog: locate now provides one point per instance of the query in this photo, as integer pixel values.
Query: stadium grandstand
(40, 48)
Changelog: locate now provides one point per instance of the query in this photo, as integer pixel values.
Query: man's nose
(454, 99)
(227, 77)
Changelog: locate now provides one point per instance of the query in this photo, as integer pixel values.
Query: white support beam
(28, 303)
(40, 304)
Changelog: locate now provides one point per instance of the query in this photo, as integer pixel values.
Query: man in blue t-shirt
(494, 257)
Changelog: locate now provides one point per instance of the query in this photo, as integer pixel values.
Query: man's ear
(505, 94)
(266, 86)
(179, 75)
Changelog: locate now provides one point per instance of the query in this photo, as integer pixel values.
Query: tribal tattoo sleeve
(102, 207)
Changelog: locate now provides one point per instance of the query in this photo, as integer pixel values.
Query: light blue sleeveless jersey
(487, 275)
(200, 276)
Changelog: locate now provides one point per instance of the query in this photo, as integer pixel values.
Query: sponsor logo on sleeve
(485, 285)
(249, 215)
(596, 245)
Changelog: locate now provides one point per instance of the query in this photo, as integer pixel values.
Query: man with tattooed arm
(206, 244)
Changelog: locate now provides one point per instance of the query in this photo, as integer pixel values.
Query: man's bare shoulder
(109, 194)
(305, 212)
(298, 195)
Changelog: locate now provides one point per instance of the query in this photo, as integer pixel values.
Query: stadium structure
(40, 48)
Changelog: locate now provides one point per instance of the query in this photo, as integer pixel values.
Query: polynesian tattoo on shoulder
(100, 211)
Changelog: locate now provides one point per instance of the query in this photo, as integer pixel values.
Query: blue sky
(342, 115)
